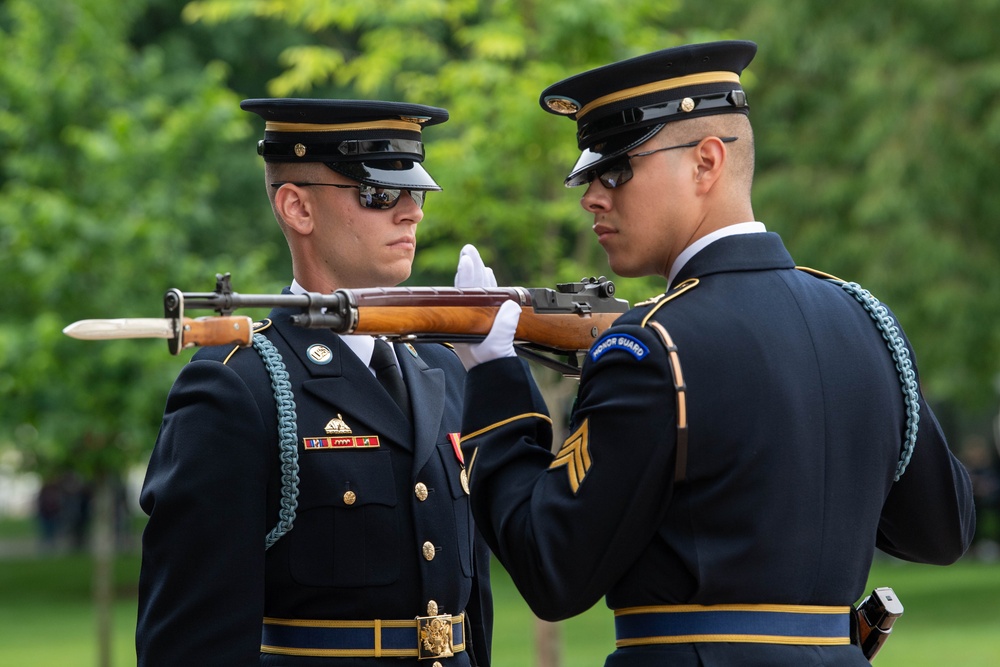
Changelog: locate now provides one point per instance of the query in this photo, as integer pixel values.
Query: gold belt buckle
(435, 637)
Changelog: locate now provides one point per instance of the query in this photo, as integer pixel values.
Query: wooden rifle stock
(566, 332)
(564, 321)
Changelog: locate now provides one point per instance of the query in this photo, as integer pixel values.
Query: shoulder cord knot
(907, 376)
(287, 437)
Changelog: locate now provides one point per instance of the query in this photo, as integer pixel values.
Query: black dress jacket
(795, 423)
(379, 532)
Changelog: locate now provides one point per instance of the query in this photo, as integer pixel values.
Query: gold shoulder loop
(230, 355)
(819, 274)
(685, 286)
(651, 300)
(262, 325)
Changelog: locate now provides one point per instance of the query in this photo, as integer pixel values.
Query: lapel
(426, 386)
(344, 383)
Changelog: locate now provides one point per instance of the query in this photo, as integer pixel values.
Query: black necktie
(384, 364)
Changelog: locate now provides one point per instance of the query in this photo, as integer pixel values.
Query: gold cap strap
(659, 86)
(277, 126)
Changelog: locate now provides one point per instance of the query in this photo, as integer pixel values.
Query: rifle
(560, 322)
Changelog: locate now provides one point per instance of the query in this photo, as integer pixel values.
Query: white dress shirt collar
(694, 248)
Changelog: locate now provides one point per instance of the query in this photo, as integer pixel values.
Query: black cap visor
(400, 174)
(591, 161)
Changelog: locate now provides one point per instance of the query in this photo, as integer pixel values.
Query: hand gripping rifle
(561, 322)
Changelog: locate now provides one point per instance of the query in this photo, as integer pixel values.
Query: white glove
(499, 342)
(471, 270)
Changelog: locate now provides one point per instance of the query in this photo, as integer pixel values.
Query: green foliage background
(126, 167)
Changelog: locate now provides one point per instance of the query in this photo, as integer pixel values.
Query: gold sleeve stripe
(575, 455)
(277, 126)
(527, 415)
(658, 86)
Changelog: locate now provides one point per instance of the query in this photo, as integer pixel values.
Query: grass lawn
(952, 616)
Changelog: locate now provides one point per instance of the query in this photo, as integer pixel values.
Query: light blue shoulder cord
(907, 377)
(287, 437)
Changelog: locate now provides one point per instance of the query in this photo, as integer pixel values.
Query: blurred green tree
(117, 180)
(878, 126)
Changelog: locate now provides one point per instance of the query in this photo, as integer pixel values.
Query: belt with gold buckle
(424, 638)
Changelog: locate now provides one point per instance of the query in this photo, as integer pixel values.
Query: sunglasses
(368, 195)
(619, 171)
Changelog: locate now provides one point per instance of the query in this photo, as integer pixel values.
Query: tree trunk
(548, 653)
(103, 549)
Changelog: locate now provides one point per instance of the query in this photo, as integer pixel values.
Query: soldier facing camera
(306, 496)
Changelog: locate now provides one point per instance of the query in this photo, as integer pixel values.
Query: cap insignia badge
(562, 105)
(300, 150)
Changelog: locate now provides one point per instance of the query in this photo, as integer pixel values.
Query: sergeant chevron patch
(575, 455)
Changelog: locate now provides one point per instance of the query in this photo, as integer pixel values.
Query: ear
(295, 206)
(711, 158)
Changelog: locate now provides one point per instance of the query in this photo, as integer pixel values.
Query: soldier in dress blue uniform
(741, 444)
(300, 513)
